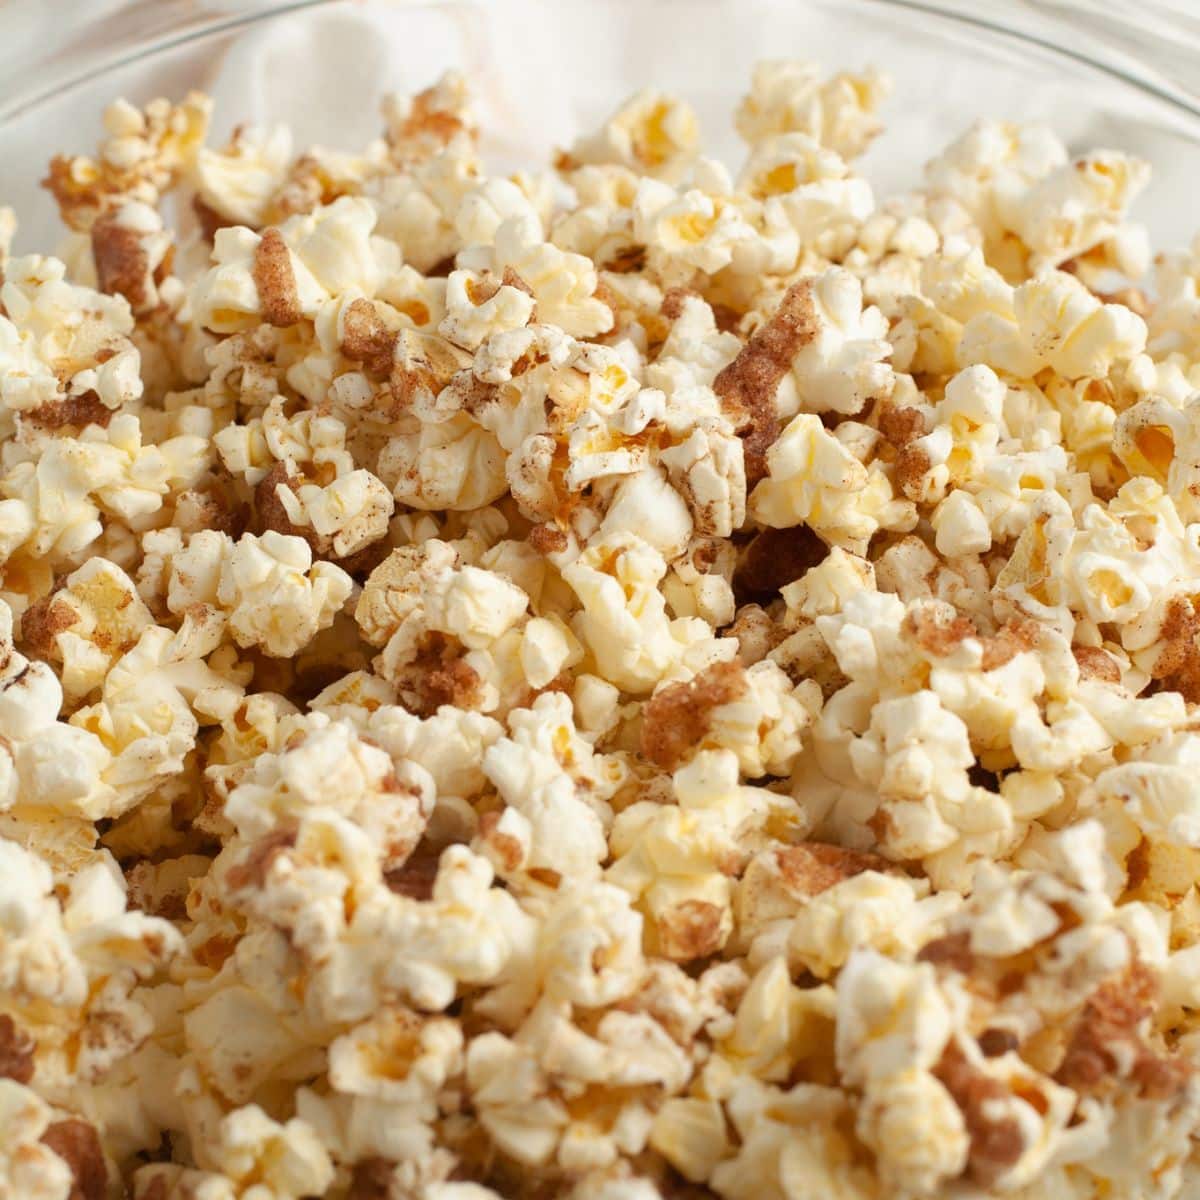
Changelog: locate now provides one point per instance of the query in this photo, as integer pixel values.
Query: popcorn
(267, 588)
(436, 118)
(1075, 208)
(601, 676)
(1055, 322)
(88, 625)
(472, 316)
(130, 248)
(623, 621)
(563, 284)
(55, 507)
(651, 133)
(238, 183)
(813, 479)
(285, 274)
(678, 859)
(789, 96)
(144, 154)
(550, 776)
(808, 187)
(841, 369)
(59, 342)
(28, 1165)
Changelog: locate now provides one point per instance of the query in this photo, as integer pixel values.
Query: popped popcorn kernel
(633, 677)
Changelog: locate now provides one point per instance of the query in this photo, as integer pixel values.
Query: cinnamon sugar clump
(996, 1141)
(748, 385)
(676, 718)
(72, 412)
(1109, 1040)
(1095, 663)
(813, 867)
(17, 1051)
(122, 264)
(275, 280)
(78, 1145)
(366, 339)
(1178, 663)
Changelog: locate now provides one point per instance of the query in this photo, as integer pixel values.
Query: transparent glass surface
(1124, 76)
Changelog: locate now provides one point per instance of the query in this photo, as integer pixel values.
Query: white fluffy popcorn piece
(960, 526)
(1075, 208)
(652, 133)
(39, 961)
(788, 96)
(893, 915)
(708, 470)
(54, 506)
(477, 307)
(286, 273)
(327, 764)
(917, 1131)
(349, 514)
(791, 1140)
(989, 165)
(689, 230)
(916, 754)
(551, 777)
(455, 464)
(450, 631)
(28, 1164)
(46, 764)
(814, 480)
(563, 284)
(268, 589)
(397, 1056)
(764, 726)
(284, 1160)
(151, 707)
(677, 859)
(691, 357)
(509, 1080)
(59, 342)
(844, 366)
(892, 1017)
(623, 620)
(1056, 322)
(469, 933)
(239, 182)
(808, 188)
(88, 625)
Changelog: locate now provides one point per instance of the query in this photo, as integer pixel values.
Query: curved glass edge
(1154, 45)
(113, 35)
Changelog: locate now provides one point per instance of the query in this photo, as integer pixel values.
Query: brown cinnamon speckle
(996, 1140)
(78, 1145)
(676, 718)
(17, 1050)
(275, 280)
(811, 868)
(122, 265)
(747, 386)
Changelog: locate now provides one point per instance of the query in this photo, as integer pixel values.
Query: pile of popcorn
(619, 681)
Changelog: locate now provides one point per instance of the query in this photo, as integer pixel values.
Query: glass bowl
(542, 69)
